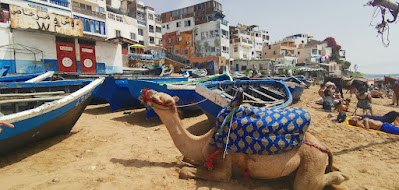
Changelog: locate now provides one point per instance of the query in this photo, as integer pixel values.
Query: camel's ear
(176, 98)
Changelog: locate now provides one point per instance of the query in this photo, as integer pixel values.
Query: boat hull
(50, 118)
(59, 122)
(295, 89)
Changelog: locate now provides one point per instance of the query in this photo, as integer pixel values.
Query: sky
(347, 21)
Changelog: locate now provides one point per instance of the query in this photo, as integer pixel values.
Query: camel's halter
(147, 98)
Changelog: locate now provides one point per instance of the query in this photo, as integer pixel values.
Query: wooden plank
(263, 94)
(32, 94)
(31, 99)
(223, 93)
(250, 96)
(273, 91)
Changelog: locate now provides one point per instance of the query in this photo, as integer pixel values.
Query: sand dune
(124, 151)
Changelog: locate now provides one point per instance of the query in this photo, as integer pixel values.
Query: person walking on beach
(3, 123)
(367, 123)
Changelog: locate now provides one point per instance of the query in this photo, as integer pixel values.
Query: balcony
(88, 12)
(63, 3)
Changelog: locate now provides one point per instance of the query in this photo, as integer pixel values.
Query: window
(97, 27)
(88, 7)
(187, 23)
(235, 49)
(169, 41)
(140, 32)
(274, 52)
(102, 28)
(314, 51)
(225, 49)
(101, 9)
(111, 16)
(299, 53)
(133, 36)
(213, 49)
(167, 26)
(119, 18)
(319, 52)
(178, 24)
(179, 39)
(163, 26)
(83, 6)
(158, 29)
(92, 26)
(151, 28)
(152, 41)
(186, 52)
(87, 26)
(160, 42)
(211, 34)
(117, 33)
(150, 16)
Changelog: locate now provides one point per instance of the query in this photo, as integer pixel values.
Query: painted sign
(27, 18)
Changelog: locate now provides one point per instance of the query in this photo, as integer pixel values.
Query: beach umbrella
(137, 46)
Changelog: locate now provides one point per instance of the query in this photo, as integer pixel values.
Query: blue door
(237, 67)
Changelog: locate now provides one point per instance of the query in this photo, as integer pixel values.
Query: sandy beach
(108, 150)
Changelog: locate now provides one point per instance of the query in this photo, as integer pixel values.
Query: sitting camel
(309, 162)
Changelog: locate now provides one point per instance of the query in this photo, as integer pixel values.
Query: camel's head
(156, 99)
(237, 101)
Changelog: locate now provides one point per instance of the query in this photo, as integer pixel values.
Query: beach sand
(108, 150)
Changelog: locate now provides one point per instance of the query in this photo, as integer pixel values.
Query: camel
(395, 86)
(309, 162)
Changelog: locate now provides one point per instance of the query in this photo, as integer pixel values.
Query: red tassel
(212, 157)
(246, 174)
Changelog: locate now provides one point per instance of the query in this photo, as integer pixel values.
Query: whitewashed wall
(111, 55)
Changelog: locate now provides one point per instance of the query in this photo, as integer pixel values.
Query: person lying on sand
(367, 123)
(2, 123)
(390, 117)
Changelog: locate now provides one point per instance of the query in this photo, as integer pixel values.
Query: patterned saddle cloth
(259, 130)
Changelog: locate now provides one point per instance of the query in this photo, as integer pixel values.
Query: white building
(247, 42)
(149, 26)
(299, 39)
(212, 39)
(55, 41)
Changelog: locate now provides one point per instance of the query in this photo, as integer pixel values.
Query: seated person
(321, 94)
(328, 96)
(375, 93)
(364, 100)
(373, 124)
(2, 123)
(343, 105)
(390, 117)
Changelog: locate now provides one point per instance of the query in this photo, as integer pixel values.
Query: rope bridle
(147, 98)
(151, 99)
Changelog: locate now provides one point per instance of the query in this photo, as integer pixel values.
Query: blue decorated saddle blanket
(261, 131)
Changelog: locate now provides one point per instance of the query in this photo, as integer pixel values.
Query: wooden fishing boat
(115, 91)
(304, 79)
(261, 93)
(40, 110)
(184, 90)
(29, 78)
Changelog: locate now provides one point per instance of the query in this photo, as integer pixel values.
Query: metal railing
(63, 3)
(88, 12)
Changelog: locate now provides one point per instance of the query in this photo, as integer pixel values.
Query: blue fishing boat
(305, 80)
(40, 110)
(28, 77)
(184, 90)
(295, 86)
(116, 92)
(260, 93)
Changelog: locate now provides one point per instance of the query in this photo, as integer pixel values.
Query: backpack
(341, 116)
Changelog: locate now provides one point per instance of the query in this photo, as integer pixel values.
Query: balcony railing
(63, 3)
(88, 12)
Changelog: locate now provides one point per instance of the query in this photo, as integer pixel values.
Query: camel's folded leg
(221, 172)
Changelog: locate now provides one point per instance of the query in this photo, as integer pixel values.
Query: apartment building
(210, 32)
(247, 42)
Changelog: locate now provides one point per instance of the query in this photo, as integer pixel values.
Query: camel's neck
(189, 145)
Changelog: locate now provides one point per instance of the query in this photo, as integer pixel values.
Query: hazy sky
(348, 21)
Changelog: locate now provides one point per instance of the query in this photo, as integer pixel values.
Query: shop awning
(137, 46)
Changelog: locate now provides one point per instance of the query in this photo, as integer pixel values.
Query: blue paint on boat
(18, 78)
(117, 94)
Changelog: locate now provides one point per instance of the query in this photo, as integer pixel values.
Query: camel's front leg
(221, 172)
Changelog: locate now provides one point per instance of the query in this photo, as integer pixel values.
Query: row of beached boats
(43, 105)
